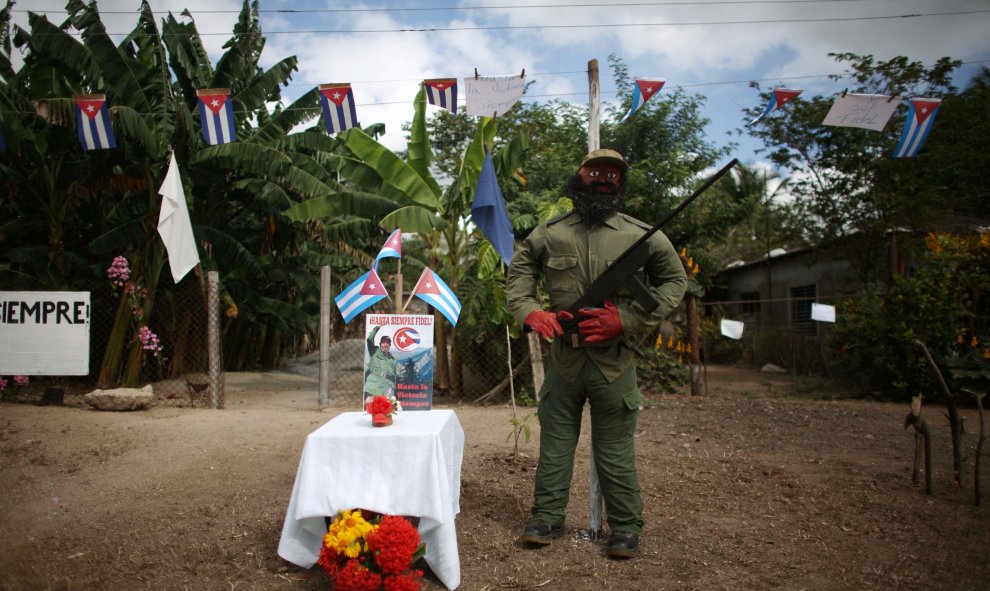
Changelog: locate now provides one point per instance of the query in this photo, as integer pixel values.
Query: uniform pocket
(633, 400)
(562, 275)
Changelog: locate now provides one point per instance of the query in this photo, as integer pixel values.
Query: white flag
(174, 224)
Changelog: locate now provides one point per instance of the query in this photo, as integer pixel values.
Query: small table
(411, 468)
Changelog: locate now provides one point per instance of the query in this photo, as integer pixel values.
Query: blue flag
(490, 214)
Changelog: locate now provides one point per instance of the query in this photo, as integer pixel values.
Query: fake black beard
(591, 204)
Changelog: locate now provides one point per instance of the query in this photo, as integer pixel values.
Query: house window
(750, 303)
(801, 299)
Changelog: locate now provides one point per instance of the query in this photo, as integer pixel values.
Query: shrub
(943, 301)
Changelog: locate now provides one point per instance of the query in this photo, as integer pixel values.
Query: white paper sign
(490, 96)
(868, 111)
(44, 333)
(732, 329)
(823, 312)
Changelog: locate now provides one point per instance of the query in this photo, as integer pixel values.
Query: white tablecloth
(412, 468)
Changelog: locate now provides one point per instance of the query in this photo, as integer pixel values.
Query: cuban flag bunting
(338, 107)
(779, 98)
(442, 92)
(216, 115)
(432, 290)
(366, 291)
(643, 91)
(392, 247)
(918, 123)
(93, 122)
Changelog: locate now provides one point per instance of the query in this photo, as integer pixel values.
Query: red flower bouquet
(369, 552)
(381, 409)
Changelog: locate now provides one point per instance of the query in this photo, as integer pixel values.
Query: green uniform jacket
(381, 373)
(571, 255)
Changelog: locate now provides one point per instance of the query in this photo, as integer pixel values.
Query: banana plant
(420, 204)
(94, 205)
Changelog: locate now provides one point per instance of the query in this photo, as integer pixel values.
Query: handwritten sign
(868, 111)
(490, 96)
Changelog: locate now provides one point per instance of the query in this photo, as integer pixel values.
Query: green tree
(942, 304)
(844, 179)
(743, 217)
(96, 205)
(438, 216)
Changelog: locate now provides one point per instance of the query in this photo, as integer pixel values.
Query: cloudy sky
(711, 48)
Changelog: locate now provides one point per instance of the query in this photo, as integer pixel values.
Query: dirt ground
(764, 483)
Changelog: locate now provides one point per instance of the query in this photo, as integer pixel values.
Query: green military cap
(605, 155)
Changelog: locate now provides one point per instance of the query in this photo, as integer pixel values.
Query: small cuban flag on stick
(216, 115)
(432, 290)
(93, 122)
(442, 92)
(338, 107)
(778, 98)
(643, 91)
(392, 247)
(918, 123)
(357, 297)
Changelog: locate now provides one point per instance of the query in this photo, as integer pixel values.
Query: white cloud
(385, 68)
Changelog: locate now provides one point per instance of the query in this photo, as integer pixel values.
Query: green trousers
(614, 410)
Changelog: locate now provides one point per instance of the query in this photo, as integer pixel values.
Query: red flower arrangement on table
(381, 408)
(364, 551)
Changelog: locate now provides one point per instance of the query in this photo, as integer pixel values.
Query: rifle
(624, 270)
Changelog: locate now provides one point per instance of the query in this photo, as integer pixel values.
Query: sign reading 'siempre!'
(44, 333)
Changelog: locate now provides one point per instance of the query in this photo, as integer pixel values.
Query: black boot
(541, 533)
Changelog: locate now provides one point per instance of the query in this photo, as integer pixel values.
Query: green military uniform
(381, 373)
(570, 255)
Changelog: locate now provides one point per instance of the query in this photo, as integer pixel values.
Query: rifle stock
(623, 271)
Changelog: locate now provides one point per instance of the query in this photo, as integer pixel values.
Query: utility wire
(580, 26)
(466, 8)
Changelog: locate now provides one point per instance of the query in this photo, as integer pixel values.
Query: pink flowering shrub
(119, 271)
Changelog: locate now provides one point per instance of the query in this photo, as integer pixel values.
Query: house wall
(830, 278)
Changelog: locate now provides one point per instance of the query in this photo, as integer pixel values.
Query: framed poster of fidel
(398, 359)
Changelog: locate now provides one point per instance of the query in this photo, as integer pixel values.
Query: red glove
(600, 324)
(547, 324)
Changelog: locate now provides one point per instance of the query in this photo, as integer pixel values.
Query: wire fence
(171, 353)
(476, 368)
